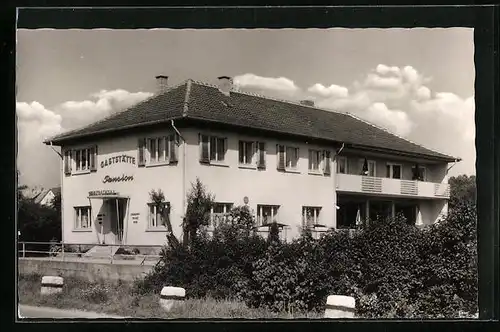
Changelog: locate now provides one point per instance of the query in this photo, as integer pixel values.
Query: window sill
(165, 163)
(158, 229)
(82, 230)
(80, 172)
(292, 170)
(247, 166)
(218, 163)
(315, 173)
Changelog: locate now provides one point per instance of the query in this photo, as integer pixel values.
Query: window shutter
(173, 148)
(280, 149)
(142, 152)
(327, 167)
(93, 158)
(204, 149)
(67, 162)
(261, 161)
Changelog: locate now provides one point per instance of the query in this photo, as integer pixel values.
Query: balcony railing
(391, 187)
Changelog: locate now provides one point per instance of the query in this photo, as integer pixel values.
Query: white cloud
(394, 120)
(374, 81)
(36, 123)
(385, 70)
(271, 83)
(423, 93)
(331, 91)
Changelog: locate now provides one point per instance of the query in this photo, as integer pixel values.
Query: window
(371, 167)
(82, 217)
(420, 175)
(350, 213)
(246, 152)
(158, 150)
(82, 160)
(267, 214)
(393, 171)
(155, 215)
(219, 212)
(342, 165)
(315, 157)
(310, 215)
(212, 149)
(288, 157)
(408, 210)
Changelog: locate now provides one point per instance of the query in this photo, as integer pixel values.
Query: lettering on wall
(118, 159)
(135, 217)
(102, 192)
(122, 178)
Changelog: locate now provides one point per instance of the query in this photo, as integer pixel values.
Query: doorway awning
(109, 196)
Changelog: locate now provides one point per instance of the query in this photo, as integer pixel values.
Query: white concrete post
(339, 306)
(51, 285)
(171, 296)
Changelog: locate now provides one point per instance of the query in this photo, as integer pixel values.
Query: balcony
(391, 187)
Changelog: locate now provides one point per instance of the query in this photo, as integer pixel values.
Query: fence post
(111, 253)
(62, 250)
(24, 249)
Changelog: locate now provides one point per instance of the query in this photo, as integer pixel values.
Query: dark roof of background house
(201, 101)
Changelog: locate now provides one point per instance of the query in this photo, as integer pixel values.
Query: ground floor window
(408, 210)
(266, 214)
(350, 213)
(310, 216)
(82, 217)
(219, 212)
(156, 218)
(380, 210)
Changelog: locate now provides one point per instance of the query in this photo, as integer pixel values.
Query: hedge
(393, 269)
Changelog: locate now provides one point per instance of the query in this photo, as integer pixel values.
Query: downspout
(454, 163)
(183, 167)
(61, 172)
(340, 150)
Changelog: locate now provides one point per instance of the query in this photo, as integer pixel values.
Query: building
(290, 162)
(46, 196)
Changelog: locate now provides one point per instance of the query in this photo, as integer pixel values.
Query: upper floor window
(394, 171)
(212, 149)
(82, 217)
(81, 160)
(319, 161)
(288, 157)
(219, 212)
(342, 165)
(246, 152)
(157, 215)
(266, 214)
(158, 150)
(367, 167)
(418, 174)
(310, 215)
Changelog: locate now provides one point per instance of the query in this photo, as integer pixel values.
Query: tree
(199, 204)
(462, 190)
(158, 198)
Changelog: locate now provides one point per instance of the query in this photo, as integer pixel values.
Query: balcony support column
(393, 209)
(367, 210)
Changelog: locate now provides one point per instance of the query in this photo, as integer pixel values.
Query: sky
(417, 83)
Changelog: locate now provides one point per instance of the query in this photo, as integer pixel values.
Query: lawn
(121, 300)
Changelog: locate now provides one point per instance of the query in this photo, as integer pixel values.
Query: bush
(96, 293)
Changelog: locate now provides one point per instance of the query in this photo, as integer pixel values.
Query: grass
(121, 300)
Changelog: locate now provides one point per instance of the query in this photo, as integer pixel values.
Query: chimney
(161, 83)
(307, 102)
(225, 84)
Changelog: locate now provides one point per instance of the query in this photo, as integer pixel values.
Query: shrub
(96, 293)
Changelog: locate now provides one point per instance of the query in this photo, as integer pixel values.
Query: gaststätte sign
(123, 178)
(118, 159)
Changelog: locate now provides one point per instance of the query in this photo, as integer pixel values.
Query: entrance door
(117, 215)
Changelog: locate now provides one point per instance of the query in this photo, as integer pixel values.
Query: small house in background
(46, 196)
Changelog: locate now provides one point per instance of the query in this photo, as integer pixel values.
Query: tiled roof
(197, 100)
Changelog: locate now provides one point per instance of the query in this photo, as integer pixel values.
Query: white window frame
(245, 162)
(225, 212)
(78, 225)
(274, 211)
(152, 212)
(391, 171)
(166, 150)
(373, 162)
(314, 211)
(83, 168)
(342, 161)
(424, 169)
(321, 158)
(291, 168)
